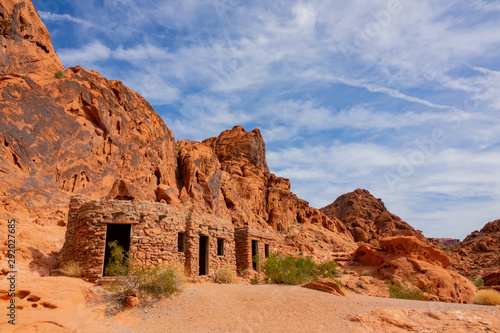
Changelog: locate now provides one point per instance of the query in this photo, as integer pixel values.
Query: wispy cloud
(445, 184)
(47, 16)
(87, 55)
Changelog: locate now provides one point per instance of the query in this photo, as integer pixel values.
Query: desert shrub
(486, 297)
(366, 273)
(361, 284)
(118, 262)
(147, 283)
(478, 283)
(224, 275)
(156, 281)
(71, 268)
(405, 290)
(59, 74)
(328, 269)
(290, 270)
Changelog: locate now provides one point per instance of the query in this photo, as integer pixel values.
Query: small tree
(118, 262)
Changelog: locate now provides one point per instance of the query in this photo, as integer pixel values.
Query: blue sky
(397, 97)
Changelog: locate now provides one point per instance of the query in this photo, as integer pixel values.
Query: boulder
(325, 285)
(406, 258)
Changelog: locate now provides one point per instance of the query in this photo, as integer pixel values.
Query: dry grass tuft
(71, 268)
(224, 275)
(486, 297)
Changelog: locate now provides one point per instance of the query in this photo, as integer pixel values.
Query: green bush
(405, 290)
(71, 268)
(156, 281)
(118, 262)
(146, 283)
(366, 273)
(290, 270)
(478, 283)
(59, 74)
(328, 269)
(224, 275)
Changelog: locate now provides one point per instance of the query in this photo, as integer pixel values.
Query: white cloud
(448, 187)
(87, 55)
(47, 16)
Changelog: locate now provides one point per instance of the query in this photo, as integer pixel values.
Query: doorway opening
(203, 255)
(255, 251)
(119, 233)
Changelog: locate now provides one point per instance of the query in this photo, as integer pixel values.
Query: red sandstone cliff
(228, 176)
(84, 134)
(25, 46)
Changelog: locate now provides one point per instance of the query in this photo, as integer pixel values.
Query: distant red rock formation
(367, 218)
(446, 242)
(478, 255)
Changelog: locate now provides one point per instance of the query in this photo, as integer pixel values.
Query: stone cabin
(157, 233)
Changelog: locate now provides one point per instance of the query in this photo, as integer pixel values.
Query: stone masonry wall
(214, 229)
(154, 232)
(243, 242)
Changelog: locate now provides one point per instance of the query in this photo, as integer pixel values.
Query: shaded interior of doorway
(255, 251)
(203, 255)
(120, 233)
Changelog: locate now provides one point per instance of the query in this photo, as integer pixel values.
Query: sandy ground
(274, 308)
(209, 307)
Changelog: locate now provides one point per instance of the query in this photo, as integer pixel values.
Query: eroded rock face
(367, 218)
(228, 176)
(406, 258)
(478, 255)
(81, 134)
(237, 149)
(25, 45)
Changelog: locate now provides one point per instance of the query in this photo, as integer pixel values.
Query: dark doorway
(203, 255)
(266, 250)
(220, 246)
(116, 232)
(181, 240)
(255, 251)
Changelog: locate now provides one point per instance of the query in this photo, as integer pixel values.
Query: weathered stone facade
(251, 242)
(158, 233)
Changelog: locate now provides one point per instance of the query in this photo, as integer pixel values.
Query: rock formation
(478, 255)
(367, 218)
(399, 320)
(25, 46)
(406, 258)
(445, 242)
(80, 133)
(228, 176)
